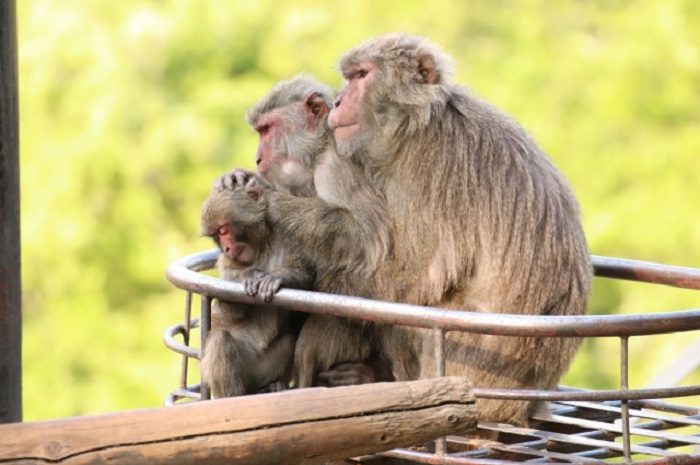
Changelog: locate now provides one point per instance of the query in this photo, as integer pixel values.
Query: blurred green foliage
(130, 109)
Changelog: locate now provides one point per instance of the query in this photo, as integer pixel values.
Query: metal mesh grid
(628, 425)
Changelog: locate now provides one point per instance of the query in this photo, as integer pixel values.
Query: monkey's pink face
(344, 118)
(276, 129)
(231, 247)
(281, 132)
(271, 129)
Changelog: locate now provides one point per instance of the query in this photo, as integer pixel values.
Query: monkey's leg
(326, 341)
(376, 367)
(346, 374)
(272, 369)
(221, 367)
(306, 353)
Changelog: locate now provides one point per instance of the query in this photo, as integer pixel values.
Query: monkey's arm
(357, 234)
(294, 272)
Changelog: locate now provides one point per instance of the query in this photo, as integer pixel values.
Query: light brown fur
(481, 219)
(332, 196)
(250, 348)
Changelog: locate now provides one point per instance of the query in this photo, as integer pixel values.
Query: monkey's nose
(336, 104)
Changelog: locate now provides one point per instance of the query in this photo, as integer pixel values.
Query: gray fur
(250, 347)
(481, 220)
(338, 219)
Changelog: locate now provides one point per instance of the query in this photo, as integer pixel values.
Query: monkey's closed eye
(223, 230)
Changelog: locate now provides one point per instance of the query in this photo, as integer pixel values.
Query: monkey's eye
(223, 230)
(362, 73)
(263, 129)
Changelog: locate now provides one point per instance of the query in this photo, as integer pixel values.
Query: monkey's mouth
(342, 131)
(234, 252)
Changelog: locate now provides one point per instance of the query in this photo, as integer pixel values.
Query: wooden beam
(10, 271)
(305, 426)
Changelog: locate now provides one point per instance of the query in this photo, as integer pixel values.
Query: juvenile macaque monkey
(250, 348)
(470, 212)
(296, 155)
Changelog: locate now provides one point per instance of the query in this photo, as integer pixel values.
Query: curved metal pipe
(181, 273)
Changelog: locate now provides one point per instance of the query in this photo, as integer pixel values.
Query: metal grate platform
(575, 432)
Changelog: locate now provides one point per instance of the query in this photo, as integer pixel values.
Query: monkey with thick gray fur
(467, 213)
(296, 155)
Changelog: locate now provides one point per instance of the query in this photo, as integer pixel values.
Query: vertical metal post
(205, 325)
(186, 339)
(10, 270)
(624, 361)
(439, 335)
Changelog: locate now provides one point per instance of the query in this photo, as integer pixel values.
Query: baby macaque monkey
(250, 348)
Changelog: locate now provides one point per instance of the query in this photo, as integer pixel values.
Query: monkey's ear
(316, 105)
(427, 72)
(253, 194)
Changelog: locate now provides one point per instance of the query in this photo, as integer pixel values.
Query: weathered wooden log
(305, 426)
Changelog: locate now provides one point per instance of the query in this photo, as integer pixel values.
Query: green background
(130, 109)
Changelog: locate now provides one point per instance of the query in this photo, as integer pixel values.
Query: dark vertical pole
(10, 271)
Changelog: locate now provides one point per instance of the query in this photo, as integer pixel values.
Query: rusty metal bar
(670, 408)
(10, 264)
(430, 459)
(175, 346)
(439, 335)
(573, 395)
(624, 384)
(637, 270)
(186, 339)
(672, 420)
(575, 439)
(179, 273)
(439, 341)
(651, 429)
(204, 331)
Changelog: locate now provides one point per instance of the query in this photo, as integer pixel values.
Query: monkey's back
(499, 232)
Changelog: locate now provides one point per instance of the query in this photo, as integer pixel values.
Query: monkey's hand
(232, 180)
(346, 374)
(251, 280)
(268, 286)
(257, 187)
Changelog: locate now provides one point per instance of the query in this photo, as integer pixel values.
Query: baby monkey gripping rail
(584, 426)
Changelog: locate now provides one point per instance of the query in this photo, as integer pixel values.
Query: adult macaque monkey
(314, 188)
(250, 348)
(480, 219)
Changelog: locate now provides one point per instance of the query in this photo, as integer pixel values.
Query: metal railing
(584, 426)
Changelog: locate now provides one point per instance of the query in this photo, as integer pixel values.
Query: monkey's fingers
(230, 181)
(269, 286)
(239, 177)
(223, 183)
(251, 286)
